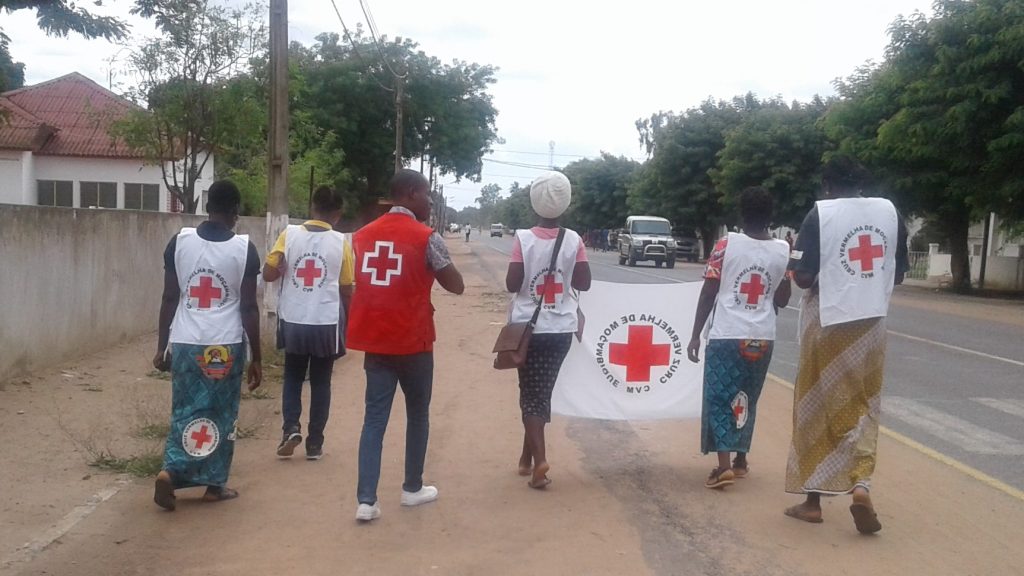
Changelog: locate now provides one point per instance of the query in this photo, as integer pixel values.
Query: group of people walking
(373, 294)
(848, 255)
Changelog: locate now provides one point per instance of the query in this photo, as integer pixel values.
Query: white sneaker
(367, 512)
(425, 494)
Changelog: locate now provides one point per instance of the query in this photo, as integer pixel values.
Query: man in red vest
(392, 320)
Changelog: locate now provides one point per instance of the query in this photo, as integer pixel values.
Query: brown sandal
(163, 493)
(219, 493)
(720, 478)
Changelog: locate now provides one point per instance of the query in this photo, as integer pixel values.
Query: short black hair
(223, 197)
(405, 181)
(756, 207)
(843, 172)
(327, 200)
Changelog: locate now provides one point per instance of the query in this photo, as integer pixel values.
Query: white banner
(632, 362)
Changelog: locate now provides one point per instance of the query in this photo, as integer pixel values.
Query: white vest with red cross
(309, 289)
(751, 273)
(858, 258)
(210, 281)
(553, 288)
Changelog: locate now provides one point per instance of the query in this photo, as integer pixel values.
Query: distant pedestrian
(208, 312)
(466, 230)
(543, 294)
(789, 239)
(392, 321)
(744, 284)
(315, 263)
(848, 255)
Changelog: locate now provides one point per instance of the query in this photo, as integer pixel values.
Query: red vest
(391, 311)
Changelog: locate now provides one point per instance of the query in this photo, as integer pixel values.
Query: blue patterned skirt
(206, 386)
(734, 373)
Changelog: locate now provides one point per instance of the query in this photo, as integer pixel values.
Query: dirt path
(626, 498)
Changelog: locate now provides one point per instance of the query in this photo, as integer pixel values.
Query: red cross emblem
(639, 354)
(753, 289)
(382, 263)
(205, 292)
(549, 289)
(739, 409)
(309, 272)
(200, 437)
(866, 252)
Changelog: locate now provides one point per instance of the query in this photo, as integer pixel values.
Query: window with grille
(98, 194)
(55, 193)
(142, 196)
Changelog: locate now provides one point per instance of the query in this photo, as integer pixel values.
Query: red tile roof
(72, 113)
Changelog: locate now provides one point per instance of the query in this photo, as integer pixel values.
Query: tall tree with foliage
(676, 181)
(943, 117)
(185, 79)
(779, 147)
(515, 210)
(448, 113)
(61, 17)
(600, 190)
(12, 74)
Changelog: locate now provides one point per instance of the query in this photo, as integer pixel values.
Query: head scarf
(550, 194)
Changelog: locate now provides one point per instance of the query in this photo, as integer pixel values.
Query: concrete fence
(74, 281)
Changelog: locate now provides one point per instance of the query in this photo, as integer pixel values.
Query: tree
(943, 118)
(448, 113)
(515, 211)
(676, 182)
(488, 200)
(185, 77)
(61, 17)
(600, 190)
(779, 147)
(12, 74)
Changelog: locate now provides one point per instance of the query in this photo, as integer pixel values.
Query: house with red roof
(56, 150)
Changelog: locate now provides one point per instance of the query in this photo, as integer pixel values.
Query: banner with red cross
(631, 363)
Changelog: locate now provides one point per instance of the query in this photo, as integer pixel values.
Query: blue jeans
(415, 373)
(320, 369)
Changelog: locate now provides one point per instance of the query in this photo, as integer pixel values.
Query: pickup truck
(647, 238)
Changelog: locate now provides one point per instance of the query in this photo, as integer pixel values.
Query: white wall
(97, 170)
(10, 177)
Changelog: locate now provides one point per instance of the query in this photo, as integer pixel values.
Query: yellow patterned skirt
(836, 403)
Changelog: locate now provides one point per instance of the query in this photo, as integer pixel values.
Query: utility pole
(398, 124)
(277, 145)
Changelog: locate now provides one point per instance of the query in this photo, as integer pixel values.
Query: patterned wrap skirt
(544, 359)
(836, 403)
(734, 373)
(206, 386)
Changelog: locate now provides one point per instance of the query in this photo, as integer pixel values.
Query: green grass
(159, 375)
(260, 393)
(153, 431)
(244, 432)
(142, 466)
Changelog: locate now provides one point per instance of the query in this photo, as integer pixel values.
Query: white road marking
(957, 348)
(944, 345)
(1008, 405)
(33, 547)
(957, 431)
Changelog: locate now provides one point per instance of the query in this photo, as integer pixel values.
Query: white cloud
(576, 72)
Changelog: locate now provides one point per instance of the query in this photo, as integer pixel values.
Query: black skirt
(544, 359)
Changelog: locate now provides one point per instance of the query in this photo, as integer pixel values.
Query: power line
(518, 164)
(355, 50)
(540, 153)
(373, 34)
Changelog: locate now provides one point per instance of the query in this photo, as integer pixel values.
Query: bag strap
(551, 268)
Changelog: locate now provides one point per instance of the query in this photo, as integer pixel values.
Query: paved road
(954, 383)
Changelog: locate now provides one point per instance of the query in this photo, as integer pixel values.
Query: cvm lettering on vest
(382, 263)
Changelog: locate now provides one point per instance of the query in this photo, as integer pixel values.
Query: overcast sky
(571, 72)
